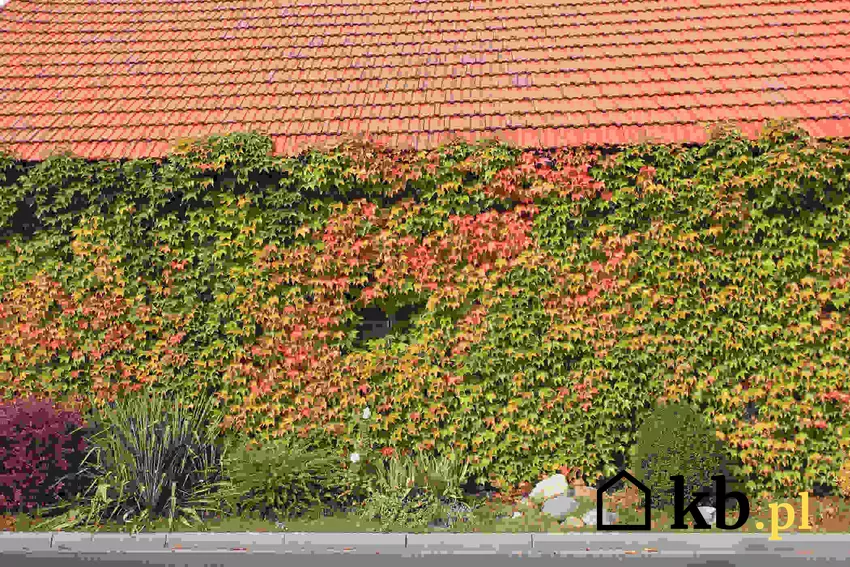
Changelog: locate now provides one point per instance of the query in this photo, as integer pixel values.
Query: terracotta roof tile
(125, 79)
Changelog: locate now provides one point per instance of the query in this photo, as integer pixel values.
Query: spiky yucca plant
(152, 457)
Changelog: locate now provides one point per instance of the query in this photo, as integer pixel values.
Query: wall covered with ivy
(554, 296)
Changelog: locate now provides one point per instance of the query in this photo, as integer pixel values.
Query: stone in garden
(573, 522)
(440, 523)
(589, 517)
(709, 513)
(560, 506)
(553, 486)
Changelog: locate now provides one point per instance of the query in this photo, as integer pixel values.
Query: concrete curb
(799, 546)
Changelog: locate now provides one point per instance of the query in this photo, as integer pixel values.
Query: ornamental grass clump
(152, 457)
(399, 488)
(409, 491)
(396, 500)
(281, 478)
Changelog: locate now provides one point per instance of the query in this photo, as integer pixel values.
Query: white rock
(589, 517)
(560, 506)
(709, 513)
(553, 486)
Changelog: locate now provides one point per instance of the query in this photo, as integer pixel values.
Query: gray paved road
(235, 559)
(493, 550)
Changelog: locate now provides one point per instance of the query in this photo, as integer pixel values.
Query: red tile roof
(126, 78)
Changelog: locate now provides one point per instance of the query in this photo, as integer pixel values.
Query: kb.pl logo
(681, 511)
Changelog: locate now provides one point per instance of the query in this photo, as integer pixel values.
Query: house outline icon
(647, 520)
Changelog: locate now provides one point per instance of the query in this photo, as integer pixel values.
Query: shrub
(283, 477)
(152, 457)
(675, 440)
(39, 444)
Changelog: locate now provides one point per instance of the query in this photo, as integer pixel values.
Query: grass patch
(826, 515)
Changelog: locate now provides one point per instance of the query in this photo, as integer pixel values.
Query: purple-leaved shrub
(40, 445)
